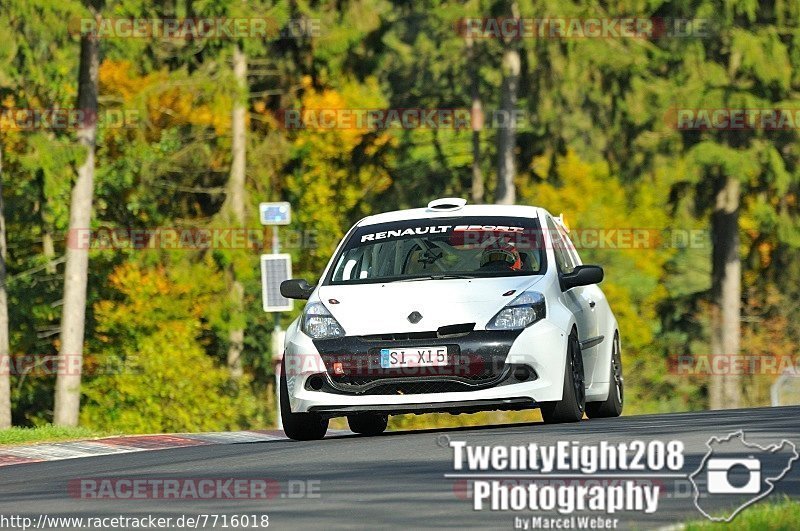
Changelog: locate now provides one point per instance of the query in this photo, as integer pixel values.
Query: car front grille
(477, 360)
(416, 385)
(418, 388)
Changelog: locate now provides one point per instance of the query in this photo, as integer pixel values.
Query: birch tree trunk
(235, 200)
(726, 288)
(73, 317)
(476, 118)
(507, 134)
(5, 361)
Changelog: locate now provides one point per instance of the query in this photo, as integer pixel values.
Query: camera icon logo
(736, 473)
(721, 472)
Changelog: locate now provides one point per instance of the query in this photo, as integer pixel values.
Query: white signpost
(275, 268)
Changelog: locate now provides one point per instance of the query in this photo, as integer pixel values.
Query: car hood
(365, 309)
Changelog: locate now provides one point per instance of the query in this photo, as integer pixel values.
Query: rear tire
(368, 423)
(611, 406)
(573, 399)
(299, 426)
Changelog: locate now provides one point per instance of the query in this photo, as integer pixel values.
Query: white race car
(450, 308)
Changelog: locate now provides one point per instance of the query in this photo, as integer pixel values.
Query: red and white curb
(57, 451)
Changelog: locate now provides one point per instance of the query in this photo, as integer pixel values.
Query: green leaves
(761, 57)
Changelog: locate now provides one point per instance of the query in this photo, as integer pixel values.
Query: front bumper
(482, 377)
(465, 406)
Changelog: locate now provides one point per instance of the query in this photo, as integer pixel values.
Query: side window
(570, 248)
(560, 249)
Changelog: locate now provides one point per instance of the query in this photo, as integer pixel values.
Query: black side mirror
(296, 288)
(583, 275)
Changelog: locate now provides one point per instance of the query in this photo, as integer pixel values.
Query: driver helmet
(502, 251)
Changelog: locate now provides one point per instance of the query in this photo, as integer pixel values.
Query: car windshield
(440, 248)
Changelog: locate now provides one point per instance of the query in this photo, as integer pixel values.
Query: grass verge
(47, 433)
(781, 515)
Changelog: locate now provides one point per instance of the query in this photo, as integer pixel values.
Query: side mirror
(296, 288)
(583, 275)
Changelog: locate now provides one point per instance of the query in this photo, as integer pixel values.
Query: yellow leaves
(179, 105)
(116, 78)
(540, 164)
(168, 102)
(634, 324)
(765, 253)
(352, 99)
(148, 292)
(596, 203)
(340, 167)
(130, 279)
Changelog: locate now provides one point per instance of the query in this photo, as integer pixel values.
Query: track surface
(394, 480)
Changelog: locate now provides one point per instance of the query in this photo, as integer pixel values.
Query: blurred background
(675, 120)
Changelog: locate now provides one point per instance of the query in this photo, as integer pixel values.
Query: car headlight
(523, 311)
(318, 323)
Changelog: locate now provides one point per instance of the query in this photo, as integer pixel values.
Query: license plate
(399, 358)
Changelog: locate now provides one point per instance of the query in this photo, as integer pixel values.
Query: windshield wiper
(434, 277)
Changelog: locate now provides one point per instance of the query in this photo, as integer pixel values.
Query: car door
(580, 300)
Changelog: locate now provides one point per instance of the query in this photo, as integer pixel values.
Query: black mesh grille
(418, 388)
(401, 337)
(475, 360)
(415, 386)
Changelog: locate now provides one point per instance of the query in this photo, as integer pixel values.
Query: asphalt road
(394, 480)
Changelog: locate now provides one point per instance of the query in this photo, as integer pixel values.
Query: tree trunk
(726, 290)
(49, 250)
(48, 244)
(5, 361)
(235, 200)
(73, 317)
(507, 134)
(476, 116)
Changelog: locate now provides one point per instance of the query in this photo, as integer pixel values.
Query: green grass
(781, 515)
(45, 434)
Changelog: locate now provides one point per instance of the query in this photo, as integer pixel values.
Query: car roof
(522, 211)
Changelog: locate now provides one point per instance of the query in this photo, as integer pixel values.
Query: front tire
(611, 406)
(299, 426)
(573, 399)
(368, 423)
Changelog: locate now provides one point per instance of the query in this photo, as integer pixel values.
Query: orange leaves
(131, 280)
(168, 100)
(116, 78)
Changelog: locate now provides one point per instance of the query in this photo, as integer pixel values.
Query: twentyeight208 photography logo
(735, 474)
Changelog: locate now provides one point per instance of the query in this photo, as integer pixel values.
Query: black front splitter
(463, 406)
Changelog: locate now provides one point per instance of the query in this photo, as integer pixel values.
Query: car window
(472, 246)
(570, 248)
(560, 249)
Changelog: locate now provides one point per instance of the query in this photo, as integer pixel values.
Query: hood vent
(455, 330)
